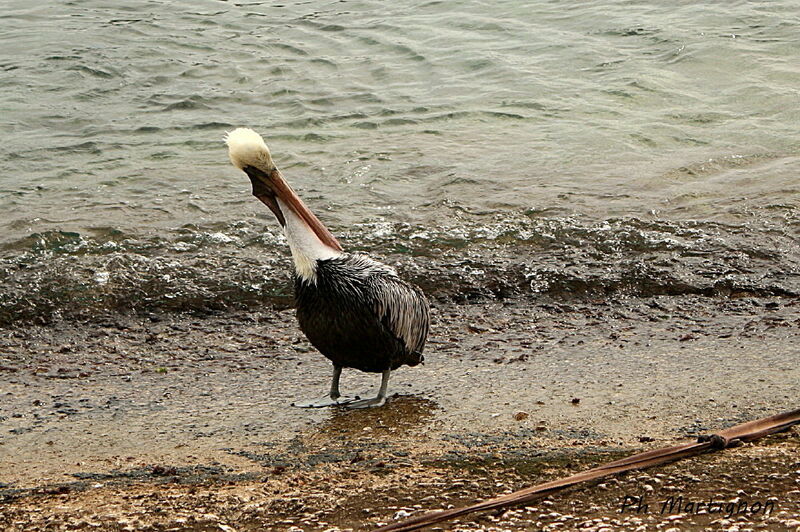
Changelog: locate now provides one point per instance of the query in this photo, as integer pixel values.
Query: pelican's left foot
(367, 403)
(327, 400)
(378, 400)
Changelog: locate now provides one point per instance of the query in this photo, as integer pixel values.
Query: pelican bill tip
(247, 148)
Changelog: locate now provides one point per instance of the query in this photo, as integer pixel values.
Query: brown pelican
(354, 310)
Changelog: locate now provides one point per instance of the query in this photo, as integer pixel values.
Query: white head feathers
(247, 148)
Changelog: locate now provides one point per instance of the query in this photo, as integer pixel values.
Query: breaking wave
(52, 275)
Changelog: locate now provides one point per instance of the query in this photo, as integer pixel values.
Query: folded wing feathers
(400, 306)
(404, 310)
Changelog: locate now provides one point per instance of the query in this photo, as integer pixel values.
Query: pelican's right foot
(324, 401)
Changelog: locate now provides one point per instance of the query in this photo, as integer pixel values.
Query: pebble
(401, 514)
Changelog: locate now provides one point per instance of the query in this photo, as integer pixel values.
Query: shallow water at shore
(67, 275)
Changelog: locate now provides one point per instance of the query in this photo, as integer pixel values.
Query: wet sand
(183, 422)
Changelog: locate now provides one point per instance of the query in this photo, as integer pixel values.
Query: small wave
(83, 147)
(187, 104)
(717, 165)
(95, 71)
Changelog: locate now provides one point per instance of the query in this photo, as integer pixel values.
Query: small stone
(401, 514)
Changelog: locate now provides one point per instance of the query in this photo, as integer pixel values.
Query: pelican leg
(378, 400)
(332, 399)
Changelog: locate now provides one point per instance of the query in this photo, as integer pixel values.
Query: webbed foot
(367, 403)
(378, 400)
(324, 401)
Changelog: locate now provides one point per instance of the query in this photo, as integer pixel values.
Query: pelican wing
(403, 310)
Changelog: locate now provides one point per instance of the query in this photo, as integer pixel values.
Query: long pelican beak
(248, 152)
(270, 187)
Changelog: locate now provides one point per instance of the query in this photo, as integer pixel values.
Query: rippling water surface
(485, 147)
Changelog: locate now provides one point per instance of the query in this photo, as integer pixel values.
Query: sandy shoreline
(115, 418)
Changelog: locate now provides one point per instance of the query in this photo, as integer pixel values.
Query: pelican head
(249, 153)
(309, 240)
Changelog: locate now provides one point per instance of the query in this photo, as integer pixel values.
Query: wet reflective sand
(511, 392)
